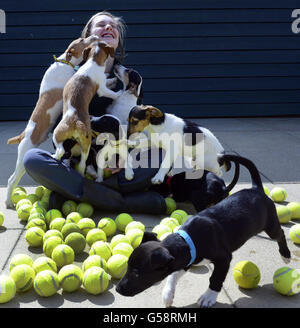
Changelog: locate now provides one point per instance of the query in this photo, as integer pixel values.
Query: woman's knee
(33, 159)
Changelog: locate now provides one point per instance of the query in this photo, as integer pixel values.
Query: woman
(115, 193)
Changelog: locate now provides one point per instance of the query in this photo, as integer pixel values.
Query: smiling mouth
(107, 35)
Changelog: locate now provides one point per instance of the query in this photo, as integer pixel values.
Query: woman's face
(106, 29)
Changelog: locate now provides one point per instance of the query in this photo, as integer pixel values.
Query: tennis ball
(20, 188)
(70, 278)
(68, 207)
(57, 224)
(286, 281)
(44, 263)
(295, 233)
(51, 233)
(94, 235)
(108, 225)
(42, 205)
(95, 280)
(86, 210)
(20, 259)
(36, 223)
(122, 220)
(69, 228)
(36, 215)
(164, 235)
(73, 217)
(32, 198)
(284, 214)
(77, 241)
(63, 255)
(170, 222)
(135, 225)
(94, 260)
(180, 216)
(278, 194)
(24, 212)
(34, 236)
(123, 249)
(46, 283)
(1, 218)
(39, 191)
(117, 266)
(120, 238)
(23, 276)
(50, 244)
(102, 249)
(160, 230)
(266, 190)
(135, 237)
(52, 214)
(86, 225)
(171, 205)
(23, 202)
(294, 207)
(176, 228)
(7, 289)
(246, 274)
(17, 195)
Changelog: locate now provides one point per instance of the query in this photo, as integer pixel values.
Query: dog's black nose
(121, 290)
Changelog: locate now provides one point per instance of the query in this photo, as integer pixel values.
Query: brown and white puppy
(48, 107)
(78, 93)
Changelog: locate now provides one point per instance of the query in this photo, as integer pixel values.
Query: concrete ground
(274, 146)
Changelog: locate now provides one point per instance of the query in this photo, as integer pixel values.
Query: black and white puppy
(178, 137)
(213, 234)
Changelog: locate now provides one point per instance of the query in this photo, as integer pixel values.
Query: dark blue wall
(198, 57)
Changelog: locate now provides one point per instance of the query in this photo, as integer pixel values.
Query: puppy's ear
(70, 53)
(86, 53)
(161, 258)
(153, 111)
(149, 236)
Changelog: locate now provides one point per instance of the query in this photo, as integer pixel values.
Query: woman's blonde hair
(121, 26)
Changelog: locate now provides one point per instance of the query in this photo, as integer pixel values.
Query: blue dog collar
(191, 244)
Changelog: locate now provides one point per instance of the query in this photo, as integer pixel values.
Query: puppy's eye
(134, 122)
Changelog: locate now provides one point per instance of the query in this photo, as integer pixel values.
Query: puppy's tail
(255, 176)
(17, 139)
(235, 177)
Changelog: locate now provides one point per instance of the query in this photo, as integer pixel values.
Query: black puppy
(212, 234)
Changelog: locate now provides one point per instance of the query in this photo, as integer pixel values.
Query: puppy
(132, 93)
(190, 140)
(212, 235)
(48, 107)
(77, 95)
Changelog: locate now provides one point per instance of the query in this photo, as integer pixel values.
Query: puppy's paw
(9, 203)
(99, 179)
(286, 260)
(157, 179)
(208, 299)
(129, 174)
(168, 296)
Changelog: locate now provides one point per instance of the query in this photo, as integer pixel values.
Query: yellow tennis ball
(39, 191)
(34, 236)
(86, 210)
(23, 276)
(135, 237)
(73, 217)
(36, 215)
(24, 212)
(160, 230)
(63, 255)
(278, 194)
(70, 278)
(7, 289)
(123, 249)
(108, 225)
(246, 274)
(17, 195)
(69, 228)
(94, 235)
(23, 202)
(86, 225)
(117, 266)
(44, 263)
(294, 207)
(20, 188)
(180, 216)
(102, 249)
(95, 280)
(94, 260)
(20, 259)
(41, 204)
(52, 233)
(76, 241)
(284, 214)
(294, 233)
(135, 225)
(32, 198)
(122, 220)
(68, 207)
(1, 218)
(52, 214)
(37, 223)
(57, 224)
(170, 222)
(46, 283)
(266, 190)
(286, 281)
(120, 238)
(171, 205)
(50, 244)
(176, 228)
